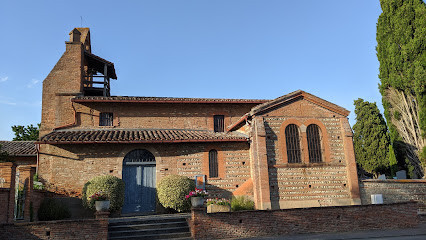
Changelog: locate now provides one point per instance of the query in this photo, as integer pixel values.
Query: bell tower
(78, 72)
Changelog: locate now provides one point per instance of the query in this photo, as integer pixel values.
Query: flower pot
(102, 206)
(197, 201)
(212, 208)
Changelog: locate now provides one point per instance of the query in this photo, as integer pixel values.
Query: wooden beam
(98, 82)
(105, 79)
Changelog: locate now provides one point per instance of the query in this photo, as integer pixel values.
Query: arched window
(213, 164)
(292, 143)
(314, 143)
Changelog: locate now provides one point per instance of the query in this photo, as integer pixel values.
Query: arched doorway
(139, 177)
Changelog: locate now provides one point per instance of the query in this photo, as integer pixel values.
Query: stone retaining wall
(394, 191)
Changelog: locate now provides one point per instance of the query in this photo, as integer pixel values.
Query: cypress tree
(401, 51)
(393, 163)
(371, 138)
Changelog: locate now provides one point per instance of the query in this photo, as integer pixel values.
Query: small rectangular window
(105, 119)
(213, 164)
(219, 123)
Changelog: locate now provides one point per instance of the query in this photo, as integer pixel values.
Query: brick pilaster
(350, 162)
(259, 165)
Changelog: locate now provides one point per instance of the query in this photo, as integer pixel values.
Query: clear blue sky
(215, 49)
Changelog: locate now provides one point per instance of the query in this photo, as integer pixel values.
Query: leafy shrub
(4, 156)
(111, 186)
(52, 209)
(240, 203)
(172, 190)
(37, 184)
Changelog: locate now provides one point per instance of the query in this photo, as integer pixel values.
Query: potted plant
(197, 197)
(101, 200)
(218, 205)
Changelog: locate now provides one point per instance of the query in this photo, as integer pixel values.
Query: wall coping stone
(394, 180)
(323, 207)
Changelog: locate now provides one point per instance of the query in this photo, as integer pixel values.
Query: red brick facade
(73, 148)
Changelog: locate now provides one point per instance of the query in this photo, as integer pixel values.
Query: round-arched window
(313, 134)
(292, 142)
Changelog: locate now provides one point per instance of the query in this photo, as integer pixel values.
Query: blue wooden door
(139, 179)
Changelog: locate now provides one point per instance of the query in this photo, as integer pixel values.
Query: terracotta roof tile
(138, 136)
(164, 99)
(19, 148)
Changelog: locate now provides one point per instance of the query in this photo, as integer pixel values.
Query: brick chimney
(64, 82)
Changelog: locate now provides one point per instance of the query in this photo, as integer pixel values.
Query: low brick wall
(394, 191)
(64, 229)
(303, 220)
(36, 199)
(4, 203)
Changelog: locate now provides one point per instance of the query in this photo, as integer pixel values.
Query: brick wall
(4, 202)
(66, 168)
(25, 160)
(8, 173)
(7, 191)
(394, 190)
(305, 220)
(64, 229)
(62, 84)
(37, 197)
(308, 184)
(161, 115)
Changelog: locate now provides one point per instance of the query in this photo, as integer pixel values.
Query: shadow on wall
(271, 139)
(72, 204)
(216, 192)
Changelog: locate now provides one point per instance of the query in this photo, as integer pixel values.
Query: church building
(290, 152)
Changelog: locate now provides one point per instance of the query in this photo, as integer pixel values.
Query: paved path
(418, 233)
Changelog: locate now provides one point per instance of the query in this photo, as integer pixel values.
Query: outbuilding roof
(139, 136)
(19, 148)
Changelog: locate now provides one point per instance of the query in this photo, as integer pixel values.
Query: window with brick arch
(313, 134)
(213, 164)
(292, 141)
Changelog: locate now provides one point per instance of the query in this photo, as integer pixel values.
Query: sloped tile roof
(163, 99)
(19, 148)
(269, 105)
(139, 136)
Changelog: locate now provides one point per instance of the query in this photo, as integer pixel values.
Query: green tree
(401, 51)
(393, 163)
(25, 133)
(371, 138)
